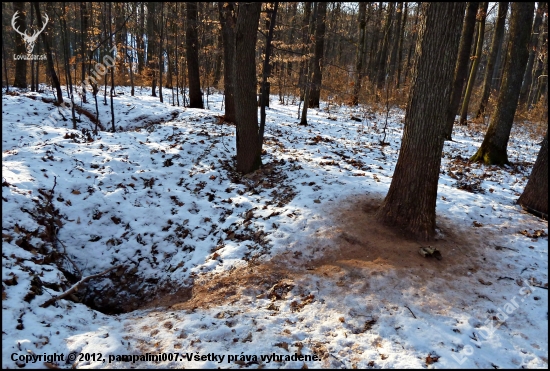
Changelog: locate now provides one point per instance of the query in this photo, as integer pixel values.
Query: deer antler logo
(29, 40)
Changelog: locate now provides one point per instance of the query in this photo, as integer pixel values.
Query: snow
(159, 196)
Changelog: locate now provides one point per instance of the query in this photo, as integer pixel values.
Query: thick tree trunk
(192, 49)
(495, 143)
(248, 146)
(20, 80)
(528, 77)
(228, 20)
(461, 68)
(315, 94)
(411, 199)
(535, 195)
(360, 56)
(495, 45)
(481, 16)
(49, 58)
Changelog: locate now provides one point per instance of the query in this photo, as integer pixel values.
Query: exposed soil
(354, 255)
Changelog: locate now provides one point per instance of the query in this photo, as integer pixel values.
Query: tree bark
(481, 16)
(151, 45)
(411, 199)
(83, 37)
(461, 68)
(304, 63)
(535, 196)
(228, 20)
(49, 58)
(192, 49)
(495, 143)
(264, 96)
(20, 80)
(383, 54)
(396, 36)
(309, 68)
(400, 46)
(528, 77)
(495, 45)
(360, 56)
(248, 146)
(315, 94)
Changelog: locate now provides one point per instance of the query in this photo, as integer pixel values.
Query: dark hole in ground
(122, 292)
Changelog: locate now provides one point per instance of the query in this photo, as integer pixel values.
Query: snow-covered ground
(287, 261)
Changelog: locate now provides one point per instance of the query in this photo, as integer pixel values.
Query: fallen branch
(75, 287)
(410, 311)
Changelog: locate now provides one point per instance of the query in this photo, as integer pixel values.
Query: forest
(274, 185)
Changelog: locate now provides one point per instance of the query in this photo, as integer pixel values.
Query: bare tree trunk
(535, 196)
(20, 80)
(83, 37)
(228, 21)
(395, 42)
(495, 45)
(112, 93)
(192, 44)
(161, 51)
(495, 143)
(383, 55)
(461, 68)
(400, 46)
(318, 55)
(264, 96)
(481, 16)
(51, 69)
(248, 146)
(309, 71)
(411, 199)
(151, 45)
(67, 65)
(360, 56)
(140, 41)
(528, 77)
(304, 64)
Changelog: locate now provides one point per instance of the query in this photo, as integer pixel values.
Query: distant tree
(535, 195)
(360, 56)
(248, 146)
(192, 46)
(495, 143)
(461, 68)
(49, 57)
(383, 54)
(411, 199)
(20, 80)
(228, 20)
(481, 17)
(491, 59)
(315, 94)
(528, 77)
(152, 45)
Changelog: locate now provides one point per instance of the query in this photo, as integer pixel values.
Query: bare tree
(248, 146)
(411, 199)
(192, 48)
(535, 196)
(491, 59)
(495, 143)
